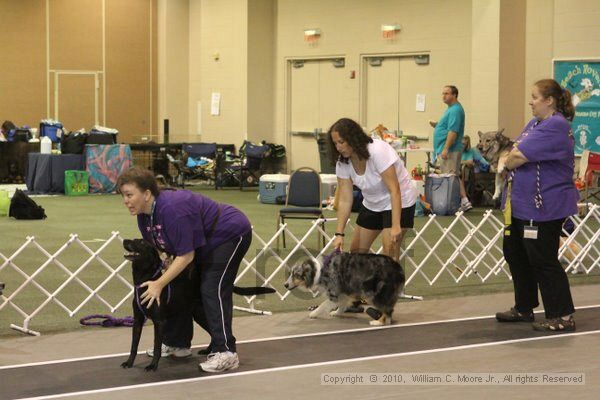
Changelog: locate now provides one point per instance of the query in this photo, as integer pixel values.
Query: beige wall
(485, 74)
(539, 46)
(226, 47)
(261, 63)
(493, 50)
(23, 69)
(511, 63)
(79, 42)
(173, 68)
(352, 28)
(219, 48)
(131, 73)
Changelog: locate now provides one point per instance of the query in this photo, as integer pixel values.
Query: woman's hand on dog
(152, 293)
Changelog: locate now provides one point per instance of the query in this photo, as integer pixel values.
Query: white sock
(464, 200)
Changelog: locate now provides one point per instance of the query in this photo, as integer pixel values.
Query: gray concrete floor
(578, 354)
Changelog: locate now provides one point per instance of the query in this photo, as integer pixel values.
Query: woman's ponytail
(565, 105)
(562, 97)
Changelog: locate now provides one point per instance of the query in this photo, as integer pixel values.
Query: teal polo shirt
(452, 120)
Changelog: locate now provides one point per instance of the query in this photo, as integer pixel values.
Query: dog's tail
(251, 291)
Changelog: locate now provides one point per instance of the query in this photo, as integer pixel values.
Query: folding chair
(303, 200)
(589, 173)
(253, 155)
(245, 169)
(198, 162)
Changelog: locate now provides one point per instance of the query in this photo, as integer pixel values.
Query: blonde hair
(467, 138)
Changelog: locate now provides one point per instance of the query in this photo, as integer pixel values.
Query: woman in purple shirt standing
(191, 228)
(540, 194)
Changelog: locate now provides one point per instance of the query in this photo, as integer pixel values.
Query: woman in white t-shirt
(389, 196)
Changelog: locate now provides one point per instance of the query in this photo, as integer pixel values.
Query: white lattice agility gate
(98, 280)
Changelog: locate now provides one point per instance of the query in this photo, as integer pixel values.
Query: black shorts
(378, 220)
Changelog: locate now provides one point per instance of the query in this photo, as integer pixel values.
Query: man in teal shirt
(447, 139)
(448, 133)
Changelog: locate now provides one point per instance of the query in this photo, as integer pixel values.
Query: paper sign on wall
(420, 102)
(215, 103)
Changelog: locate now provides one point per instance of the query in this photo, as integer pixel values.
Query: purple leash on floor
(107, 321)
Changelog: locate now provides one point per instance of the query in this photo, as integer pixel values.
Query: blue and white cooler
(271, 186)
(52, 129)
(328, 185)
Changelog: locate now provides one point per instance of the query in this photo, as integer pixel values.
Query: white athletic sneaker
(219, 362)
(166, 351)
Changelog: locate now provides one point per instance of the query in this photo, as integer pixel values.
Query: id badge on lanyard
(530, 232)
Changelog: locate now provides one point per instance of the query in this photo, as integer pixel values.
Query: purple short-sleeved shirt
(182, 221)
(550, 144)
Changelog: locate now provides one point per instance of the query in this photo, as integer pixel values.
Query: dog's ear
(480, 134)
(308, 272)
(499, 134)
(307, 265)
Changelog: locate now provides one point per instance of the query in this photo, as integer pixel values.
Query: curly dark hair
(353, 134)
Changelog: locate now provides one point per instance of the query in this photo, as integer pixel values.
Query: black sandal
(555, 325)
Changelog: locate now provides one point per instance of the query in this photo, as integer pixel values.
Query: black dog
(179, 294)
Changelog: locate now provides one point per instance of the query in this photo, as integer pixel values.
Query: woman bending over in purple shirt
(191, 228)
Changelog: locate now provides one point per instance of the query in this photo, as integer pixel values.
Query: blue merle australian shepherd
(347, 277)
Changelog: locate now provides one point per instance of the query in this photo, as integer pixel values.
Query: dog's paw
(127, 364)
(151, 367)
(376, 323)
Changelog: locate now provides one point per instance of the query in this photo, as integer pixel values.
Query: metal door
(320, 94)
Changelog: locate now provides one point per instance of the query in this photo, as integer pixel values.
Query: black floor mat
(75, 376)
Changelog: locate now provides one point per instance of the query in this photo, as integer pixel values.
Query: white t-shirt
(375, 193)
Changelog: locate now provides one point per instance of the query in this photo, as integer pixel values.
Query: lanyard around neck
(152, 214)
(153, 230)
